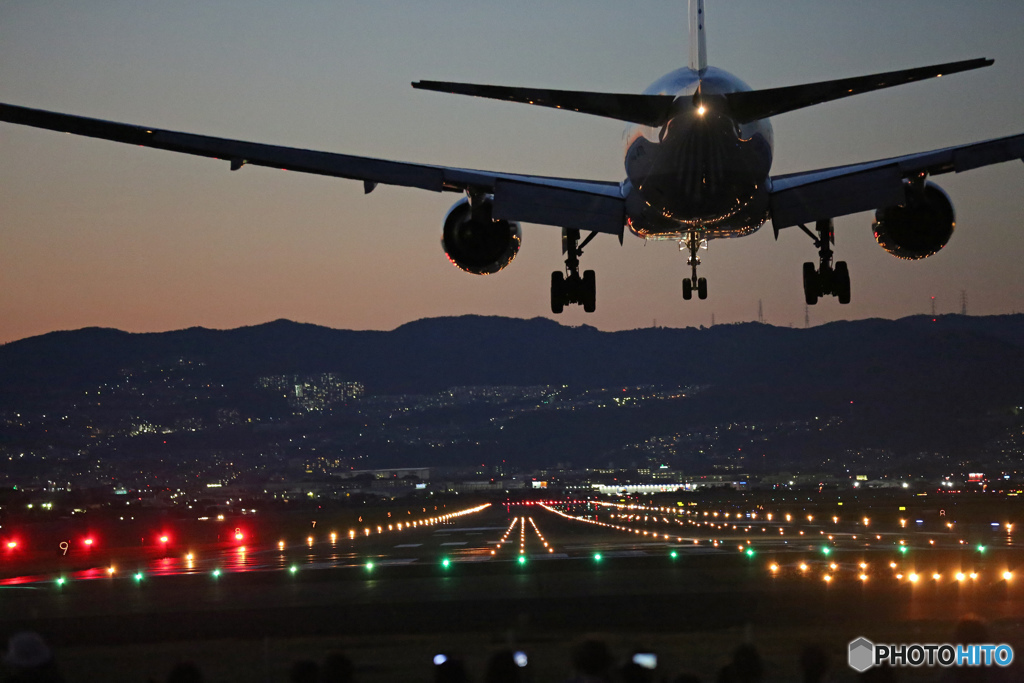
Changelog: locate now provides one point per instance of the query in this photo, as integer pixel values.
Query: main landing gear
(693, 283)
(826, 280)
(568, 287)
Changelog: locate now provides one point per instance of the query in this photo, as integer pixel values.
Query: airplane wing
(588, 205)
(829, 192)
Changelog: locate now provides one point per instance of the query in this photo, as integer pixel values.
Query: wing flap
(533, 203)
(838, 196)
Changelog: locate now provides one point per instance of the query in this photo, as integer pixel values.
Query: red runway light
(164, 539)
(88, 541)
(12, 544)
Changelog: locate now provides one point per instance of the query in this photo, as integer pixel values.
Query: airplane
(698, 157)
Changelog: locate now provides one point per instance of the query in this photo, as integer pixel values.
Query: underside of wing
(829, 192)
(564, 202)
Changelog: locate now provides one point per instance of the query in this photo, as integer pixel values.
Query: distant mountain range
(916, 355)
(905, 387)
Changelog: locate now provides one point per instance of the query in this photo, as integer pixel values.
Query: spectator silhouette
(185, 672)
(686, 678)
(814, 663)
(29, 659)
(304, 671)
(746, 666)
(591, 662)
(502, 668)
(451, 670)
(337, 668)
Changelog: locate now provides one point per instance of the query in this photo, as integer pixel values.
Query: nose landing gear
(693, 283)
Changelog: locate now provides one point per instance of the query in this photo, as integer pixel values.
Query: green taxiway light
(369, 566)
(445, 562)
(60, 581)
(216, 573)
(750, 552)
(673, 554)
(522, 560)
(138, 576)
(826, 550)
(597, 557)
(903, 549)
(981, 548)
(293, 569)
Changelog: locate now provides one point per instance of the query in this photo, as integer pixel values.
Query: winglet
(698, 48)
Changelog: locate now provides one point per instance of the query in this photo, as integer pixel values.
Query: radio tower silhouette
(760, 312)
(963, 302)
(933, 306)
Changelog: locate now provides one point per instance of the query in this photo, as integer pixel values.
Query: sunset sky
(95, 233)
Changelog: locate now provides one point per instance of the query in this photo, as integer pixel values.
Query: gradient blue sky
(97, 233)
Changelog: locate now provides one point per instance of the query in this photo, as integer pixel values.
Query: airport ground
(390, 602)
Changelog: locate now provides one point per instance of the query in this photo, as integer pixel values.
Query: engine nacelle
(479, 245)
(920, 227)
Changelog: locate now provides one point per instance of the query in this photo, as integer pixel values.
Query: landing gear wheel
(841, 282)
(702, 288)
(687, 289)
(589, 293)
(557, 291)
(811, 290)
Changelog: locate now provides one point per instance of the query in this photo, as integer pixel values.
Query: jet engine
(920, 227)
(475, 242)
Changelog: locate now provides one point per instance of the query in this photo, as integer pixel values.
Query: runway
(559, 569)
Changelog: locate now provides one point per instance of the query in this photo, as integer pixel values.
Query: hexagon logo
(862, 655)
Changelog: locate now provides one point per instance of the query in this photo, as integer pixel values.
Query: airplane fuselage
(701, 172)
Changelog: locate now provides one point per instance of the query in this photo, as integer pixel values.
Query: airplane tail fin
(698, 47)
